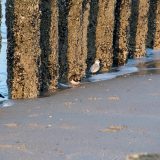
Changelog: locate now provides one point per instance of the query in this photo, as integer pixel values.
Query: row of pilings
(51, 41)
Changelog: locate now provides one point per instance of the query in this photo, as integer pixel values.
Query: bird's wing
(94, 68)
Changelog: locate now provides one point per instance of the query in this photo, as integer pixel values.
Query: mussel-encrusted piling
(23, 53)
(152, 18)
(157, 34)
(49, 68)
(138, 28)
(77, 38)
(121, 32)
(104, 33)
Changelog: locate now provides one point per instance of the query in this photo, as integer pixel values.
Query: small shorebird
(74, 80)
(95, 67)
(75, 83)
(2, 96)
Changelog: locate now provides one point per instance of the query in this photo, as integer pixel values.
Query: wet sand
(97, 121)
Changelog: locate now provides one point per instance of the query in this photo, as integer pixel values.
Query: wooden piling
(77, 38)
(63, 9)
(138, 28)
(121, 32)
(49, 68)
(104, 33)
(23, 51)
(157, 34)
(152, 18)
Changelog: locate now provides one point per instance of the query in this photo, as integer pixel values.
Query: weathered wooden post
(63, 8)
(23, 53)
(77, 23)
(49, 68)
(121, 31)
(32, 53)
(138, 28)
(152, 13)
(91, 35)
(157, 34)
(104, 33)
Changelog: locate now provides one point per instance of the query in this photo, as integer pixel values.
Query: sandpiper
(95, 67)
(74, 82)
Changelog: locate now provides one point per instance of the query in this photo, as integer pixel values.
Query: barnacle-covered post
(157, 33)
(104, 33)
(78, 14)
(32, 53)
(152, 18)
(138, 28)
(49, 68)
(121, 31)
(23, 52)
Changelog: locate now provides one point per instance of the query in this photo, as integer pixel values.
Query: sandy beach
(97, 121)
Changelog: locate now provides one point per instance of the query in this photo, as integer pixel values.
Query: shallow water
(146, 65)
(3, 61)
